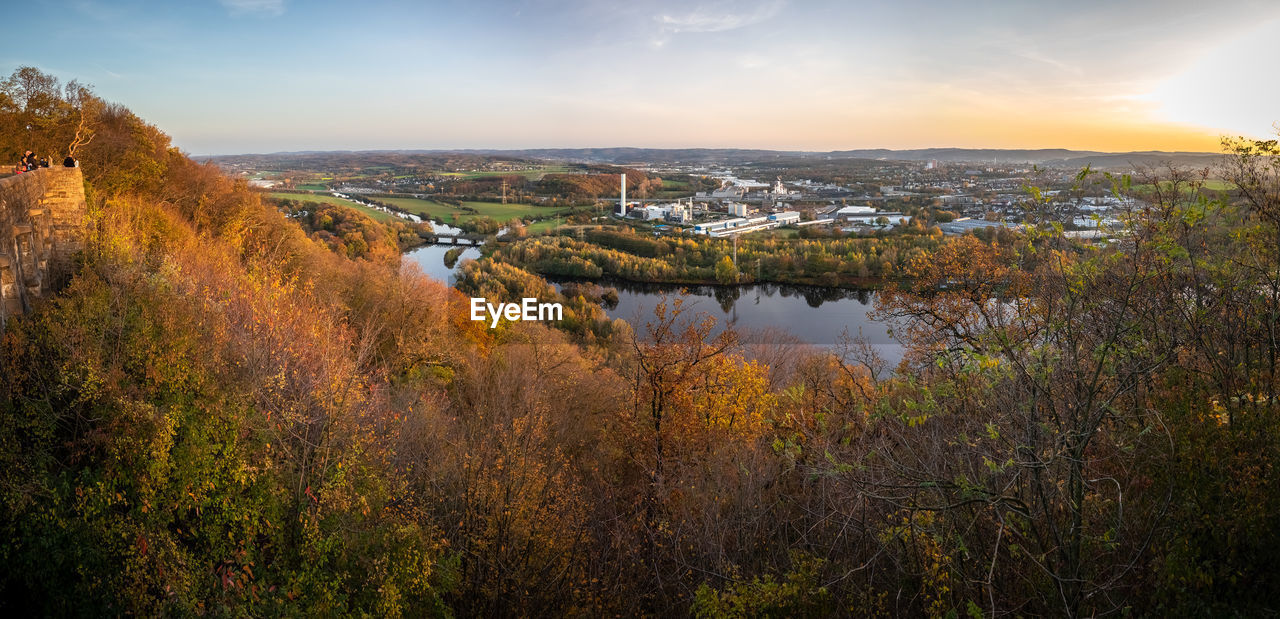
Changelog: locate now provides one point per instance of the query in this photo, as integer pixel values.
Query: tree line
(847, 261)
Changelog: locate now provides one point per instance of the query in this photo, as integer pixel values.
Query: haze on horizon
(238, 76)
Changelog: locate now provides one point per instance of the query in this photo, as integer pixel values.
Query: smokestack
(622, 201)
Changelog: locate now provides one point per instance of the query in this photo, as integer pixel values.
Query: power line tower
(504, 191)
(735, 253)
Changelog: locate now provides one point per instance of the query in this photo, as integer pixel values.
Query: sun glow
(1230, 88)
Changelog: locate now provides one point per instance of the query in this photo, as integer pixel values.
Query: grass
(671, 195)
(777, 233)
(545, 225)
(327, 199)
(313, 187)
(445, 212)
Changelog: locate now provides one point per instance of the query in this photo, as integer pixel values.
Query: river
(430, 258)
(815, 315)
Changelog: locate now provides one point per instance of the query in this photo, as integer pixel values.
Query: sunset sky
(236, 76)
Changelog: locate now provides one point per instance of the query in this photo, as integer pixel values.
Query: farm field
(327, 199)
(446, 213)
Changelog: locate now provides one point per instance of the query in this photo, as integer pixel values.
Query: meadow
(545, 225)
(451, 214)
(328, 199)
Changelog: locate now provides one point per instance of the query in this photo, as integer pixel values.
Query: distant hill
(708, 156)
(993, 155)
(1046, 156)
(1146, 159)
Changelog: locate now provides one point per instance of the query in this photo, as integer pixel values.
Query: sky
(240, 76)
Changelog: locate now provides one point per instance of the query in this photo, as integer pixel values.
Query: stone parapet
(42, 227)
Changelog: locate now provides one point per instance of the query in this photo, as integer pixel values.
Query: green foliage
(627, 255)
(629, 243)
(497, 281)
(354, 234)
(152, 484)
(797, 593)
(726, 272)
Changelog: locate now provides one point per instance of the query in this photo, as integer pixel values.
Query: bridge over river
(474, 240)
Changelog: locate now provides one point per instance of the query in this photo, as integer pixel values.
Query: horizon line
(698, 148)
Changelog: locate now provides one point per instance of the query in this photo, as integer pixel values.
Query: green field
(313, 187)
(327, 199)
(446, 213)
(777, 233)
(545, 225)
(670, 195)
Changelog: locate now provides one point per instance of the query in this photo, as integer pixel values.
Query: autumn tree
(1036, 356)
(726, 272)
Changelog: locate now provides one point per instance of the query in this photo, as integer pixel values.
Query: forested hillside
(224, 415)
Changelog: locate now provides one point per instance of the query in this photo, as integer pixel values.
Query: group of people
(30, 162)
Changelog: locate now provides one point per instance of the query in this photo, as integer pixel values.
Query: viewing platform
(42, 221)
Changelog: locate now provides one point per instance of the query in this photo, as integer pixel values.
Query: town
(803, 195)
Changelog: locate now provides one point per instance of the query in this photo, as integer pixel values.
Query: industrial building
(964, 224)
(785, 218)
(873, 219)
(675, 212)
(852, 211)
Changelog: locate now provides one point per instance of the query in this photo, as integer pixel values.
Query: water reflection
(445, 229)
(728, 296)
(817, 316)
(431, 259)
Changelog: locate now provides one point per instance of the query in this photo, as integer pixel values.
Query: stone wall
(42, 226)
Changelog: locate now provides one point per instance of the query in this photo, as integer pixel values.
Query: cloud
(718, 17)
(254, 7)
(109, 72)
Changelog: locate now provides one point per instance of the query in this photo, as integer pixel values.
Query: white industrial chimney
(622, 201)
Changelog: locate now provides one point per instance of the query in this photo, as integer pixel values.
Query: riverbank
(842, 283)
(764, 312)
(846, 263)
